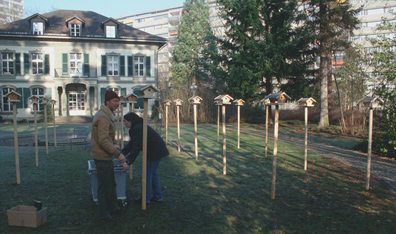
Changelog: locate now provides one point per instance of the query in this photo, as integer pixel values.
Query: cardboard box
(26, 216)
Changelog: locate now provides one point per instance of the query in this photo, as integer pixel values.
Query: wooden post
(266, 129)
(53, 115)
(118, 126)
(218, 123)
(195, 128)
(35, 133)
(122, 125)
(239, 126)
(178, 127)
(130, 107)
(276, 125)
(144, 155)
(224, 141)
(369, 149)
(166, 123)
(18, 177)
(306, 139)
(46, 129)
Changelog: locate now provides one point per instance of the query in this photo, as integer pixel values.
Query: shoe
(109, 220)
(120, 210)
(155, 200)
(138, 200)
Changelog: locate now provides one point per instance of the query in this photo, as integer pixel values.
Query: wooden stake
(53, 115)
(276, 125)
(144, 155)
(35, 133)
(224, 141)
(306, 139)
(266, 129)
(118, 126)
(46, 130)
(239, 126)
(166, 123)
(369, 149)
(195, 128)
(178, 128)
(122, 125)
(218, 123)
(130, 167)
(18, 177)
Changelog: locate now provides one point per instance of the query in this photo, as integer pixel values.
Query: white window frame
(76, 64)
(37, 63)
(38, 28)
(7, 63)
(38, 92)
(113, 65)
(75, 30)
(138, 66)
(6, 106)
(111, 31)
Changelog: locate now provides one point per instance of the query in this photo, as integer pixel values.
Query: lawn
(328, 198)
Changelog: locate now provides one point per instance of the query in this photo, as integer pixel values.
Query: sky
(115, 9)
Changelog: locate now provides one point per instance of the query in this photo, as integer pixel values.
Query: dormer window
(111, 31)
(75, 30)
(38, 28)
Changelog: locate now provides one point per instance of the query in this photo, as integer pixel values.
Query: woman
(156, 149)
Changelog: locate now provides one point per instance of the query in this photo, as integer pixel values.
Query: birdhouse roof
(371, 99)
(306, 99)
(276, 96)
(239, 101)
(147, 87)
(13, 92)
(178, 101)
(195, 98)
(33, 97)
(224, 96)
(167, 101)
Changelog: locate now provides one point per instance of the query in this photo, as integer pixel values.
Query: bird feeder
(224, 99)
(239, 102)
(195, 100)
(34, 99)
(178, 102)
(167, 102)
(131, 97)
(122, 98)
(147, 91)
(277, 98)
(44, 100)
(13, 96)
(306, 102)
(371, 102)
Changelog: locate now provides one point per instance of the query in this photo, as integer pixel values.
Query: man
(103, 150)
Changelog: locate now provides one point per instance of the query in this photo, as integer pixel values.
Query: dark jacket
(156, 147)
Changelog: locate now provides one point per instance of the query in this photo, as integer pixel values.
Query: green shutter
(130, 65)
(102, 95)
(122, 65)
(123, 93)
(20, 103)
(17, 64)
(26, 95)
(46, 64)
(65, 65)
(104, 66)
(86, 65)
(48, 93)
(148, 66)
(26, 64)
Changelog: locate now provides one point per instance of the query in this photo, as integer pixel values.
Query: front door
(76, 103)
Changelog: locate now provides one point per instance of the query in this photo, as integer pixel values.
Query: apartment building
(73, 57)
(11, 10)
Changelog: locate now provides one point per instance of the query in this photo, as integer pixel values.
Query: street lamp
(193, 88)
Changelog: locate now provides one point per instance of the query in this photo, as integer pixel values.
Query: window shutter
(122, 65)
(102, 95)
(17, 64)
(20, 103)
(65, 65)
(46, 64)
(123, 93)
(104, 66)
(148, 66)
(86, 65)
(26, 64)
(130, 65)
(48, 93)
(26, 96)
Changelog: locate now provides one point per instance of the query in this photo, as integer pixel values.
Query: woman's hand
(125, 166)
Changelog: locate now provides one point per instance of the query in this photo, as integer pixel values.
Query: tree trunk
(324, 73)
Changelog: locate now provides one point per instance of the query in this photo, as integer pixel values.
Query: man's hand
(125, 166)
(122, 158)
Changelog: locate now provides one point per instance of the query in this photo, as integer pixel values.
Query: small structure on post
(167, 104)
(371, 103)
(178, 103)
(53, 102)
(276, 99)
(224, 100)
(35, 101)
(239, 103)
(13, 97)
(195, 100)
(306, 102)
(45, 101)
(145, 92)
(265, 102)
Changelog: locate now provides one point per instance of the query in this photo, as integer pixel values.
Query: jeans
(153, 181)
(107, 193)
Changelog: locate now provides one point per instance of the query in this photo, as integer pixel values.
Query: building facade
(11, 10)
(73, 57)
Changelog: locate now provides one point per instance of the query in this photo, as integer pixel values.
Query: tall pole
(144, 155)
(122, 125)
(224, 141)
(276, 125)
(14, 108)
(239, 126)
(46, 129)
(218, 122)
(53, 115)
(35, 133)
(306, 139)
(195, 128)
(369, 149)
(178, 128)
(118, 126)
(166, 123)
(266, 129)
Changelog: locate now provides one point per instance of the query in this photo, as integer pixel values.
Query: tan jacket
(103, 135)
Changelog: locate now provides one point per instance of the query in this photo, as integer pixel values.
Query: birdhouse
(195, 100)
(13, 96)
(371, 102)
(224, 99)
(34, 99)
(178, 102)
(122, 99)
(239, 102)
(306, 102)
(147, 91)
(167, 102)
(44, 100)
(277, 98)
(53, 102)
(131, 97)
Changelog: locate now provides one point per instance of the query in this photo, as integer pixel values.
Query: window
(116, 90)
(7, 63)
(112, 65)
(111, 31)
(6, 106)
(138, 62)
(76, 64)
(39, 92)
(37, 64)
(75, 30)
(38, 28)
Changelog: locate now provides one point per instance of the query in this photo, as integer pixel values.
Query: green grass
(328, 198)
